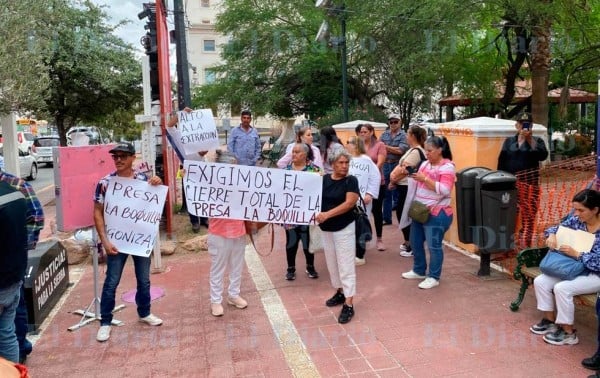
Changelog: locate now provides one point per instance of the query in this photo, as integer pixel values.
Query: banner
(132, 212)
(198, 131)
(258, 194)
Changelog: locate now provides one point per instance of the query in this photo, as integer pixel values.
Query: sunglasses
(394, 122)
(120, 157)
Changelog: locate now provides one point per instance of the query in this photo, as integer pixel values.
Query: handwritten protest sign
(198, 131)
(132, 211)
(174, 137)
(217, 190)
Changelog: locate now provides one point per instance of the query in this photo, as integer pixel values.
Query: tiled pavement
(463, 328)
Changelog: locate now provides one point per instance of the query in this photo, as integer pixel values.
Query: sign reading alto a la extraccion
(216, 190)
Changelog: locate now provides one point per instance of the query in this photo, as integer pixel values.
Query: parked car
(42, 148)
(91, 132)
(25, 141)
(27, 164)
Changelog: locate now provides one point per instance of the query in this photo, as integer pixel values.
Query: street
(44, 184)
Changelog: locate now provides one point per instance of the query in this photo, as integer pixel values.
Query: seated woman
(552, 292)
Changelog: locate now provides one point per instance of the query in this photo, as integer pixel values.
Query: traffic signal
(149, 41)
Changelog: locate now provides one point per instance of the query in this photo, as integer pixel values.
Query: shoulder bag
(556, 264)
(363, 231)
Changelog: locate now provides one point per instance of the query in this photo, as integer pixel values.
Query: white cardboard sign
(216, 190)
(132, 212)
(198, 131)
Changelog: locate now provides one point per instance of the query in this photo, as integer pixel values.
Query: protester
(304, 135)
(226, 245)
(21, 220)
(369, 180)
(244, 141)
(520, 153)
(336, 220)
(378, 153)
(434, 183)
(409, 162)
(296, 233)
(123, 154)
(396, 145)
(329, 144)
(552, 292)
(195, 220)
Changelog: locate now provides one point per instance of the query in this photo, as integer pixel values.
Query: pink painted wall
(76, 173)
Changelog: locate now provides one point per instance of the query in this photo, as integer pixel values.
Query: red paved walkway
(463, 328)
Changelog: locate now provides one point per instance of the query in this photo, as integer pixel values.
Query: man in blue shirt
(396, 145)
(244, 141)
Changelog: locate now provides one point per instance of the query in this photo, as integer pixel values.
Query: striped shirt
(35, 211)
(443, 175)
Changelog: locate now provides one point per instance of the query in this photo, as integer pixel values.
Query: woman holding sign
(336, 220)
(296, 233)
(557, 327)
(226, 245)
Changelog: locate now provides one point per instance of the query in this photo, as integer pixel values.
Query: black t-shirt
(13, 235)
(334, 194)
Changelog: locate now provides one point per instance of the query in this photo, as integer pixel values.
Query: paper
(581, 241)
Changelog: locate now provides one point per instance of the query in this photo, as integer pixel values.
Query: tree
(92, 73)
(22, 71)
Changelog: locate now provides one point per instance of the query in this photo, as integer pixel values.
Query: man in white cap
(123, 155)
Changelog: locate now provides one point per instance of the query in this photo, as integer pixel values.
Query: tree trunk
(540, 71)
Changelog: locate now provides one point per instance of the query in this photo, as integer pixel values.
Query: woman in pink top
(435, 180)
(226, 246)
(377, 152)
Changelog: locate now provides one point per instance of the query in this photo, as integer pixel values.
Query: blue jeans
(22, 326)
(431, 232)
(9, 300)
(114, 270)
(390, 200)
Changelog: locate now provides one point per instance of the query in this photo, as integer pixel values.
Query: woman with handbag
(434, 183)
(409, 162)
(553, 292)
(369, 179)
(294, 234)
(336, 220)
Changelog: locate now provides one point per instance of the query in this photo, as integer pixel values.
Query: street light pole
(344, 63)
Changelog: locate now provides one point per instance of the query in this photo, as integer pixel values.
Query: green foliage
(574, 145)
(366, 113)
(92, 72)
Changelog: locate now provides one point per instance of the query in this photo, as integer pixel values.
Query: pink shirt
(376, 149)
(443, 175)
(227, 228)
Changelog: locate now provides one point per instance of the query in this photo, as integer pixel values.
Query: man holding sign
(123, 155)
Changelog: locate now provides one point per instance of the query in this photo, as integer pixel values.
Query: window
(209, 45)
(209, 76)
(205, 3)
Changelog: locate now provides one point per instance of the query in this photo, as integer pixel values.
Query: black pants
(377, 211)
(293, 237)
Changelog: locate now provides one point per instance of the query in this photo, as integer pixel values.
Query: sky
(118, 10)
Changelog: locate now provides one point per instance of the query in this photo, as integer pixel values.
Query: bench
(273, 154)
(528, 262)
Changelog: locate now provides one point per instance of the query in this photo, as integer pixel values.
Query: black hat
(123, 147)
(524, 117)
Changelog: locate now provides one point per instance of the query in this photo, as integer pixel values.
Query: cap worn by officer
(123, 147)
(524, 117)
(394, 116)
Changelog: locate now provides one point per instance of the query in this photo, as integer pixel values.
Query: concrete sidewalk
(463, 328)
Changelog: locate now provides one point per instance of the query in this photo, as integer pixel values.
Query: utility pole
(184, 97)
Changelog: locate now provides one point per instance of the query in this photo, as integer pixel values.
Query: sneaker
(560, 337)
(238, 302)
(195, 228)
(386, 223)
(380, 245)
(543, 327)
(592, 363)
(404, 247)
(429, 283)
(216, 309)
(151, 320)
(312, 273)
(337, 299)
(291, 274)
(406, 253)
(103, 333)
(346, 314)
(358, 261)
(411, 275)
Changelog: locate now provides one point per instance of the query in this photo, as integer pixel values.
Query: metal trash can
(466, 197)
(496, 211)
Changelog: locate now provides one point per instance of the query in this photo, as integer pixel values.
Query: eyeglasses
(120, 157)
(393, 122)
